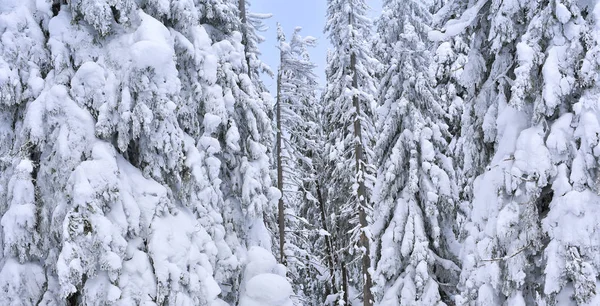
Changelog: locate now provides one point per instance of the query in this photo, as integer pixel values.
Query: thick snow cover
(265, 282)
(452, 157)
(133, 159)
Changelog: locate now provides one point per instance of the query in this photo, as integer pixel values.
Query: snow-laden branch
(456, 26)
(507, 257)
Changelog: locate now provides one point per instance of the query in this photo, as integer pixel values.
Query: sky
(307, 14)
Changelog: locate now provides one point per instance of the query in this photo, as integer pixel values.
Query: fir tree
(297, 113)
(349, 102)
(416, 191)
(525, 83)
(124, 150)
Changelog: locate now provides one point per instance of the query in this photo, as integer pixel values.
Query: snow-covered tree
(22, 276)
(559, 50)
(449, 60)
(23, 61)
(527, 79)
(415, 192)
(296, 94)
(136, 144)
(252, 24)
(297, 142)
(348, 111)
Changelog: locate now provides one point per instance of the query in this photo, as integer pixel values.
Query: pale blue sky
(308, 14)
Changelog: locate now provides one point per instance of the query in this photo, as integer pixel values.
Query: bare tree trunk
(281, 216)
(345, 284)
(242, 8)
(328, 243)
(361, 193)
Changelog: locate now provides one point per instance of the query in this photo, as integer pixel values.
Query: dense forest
(450, 156)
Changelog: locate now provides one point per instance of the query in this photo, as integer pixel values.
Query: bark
(281, 216)
(345, 284)
(242, 8)
(328, 243)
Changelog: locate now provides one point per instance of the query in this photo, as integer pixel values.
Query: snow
(267, 289)
(151, 54)
(323, 232)
(175, 245)
(136, 155)
(555, 84)
(531, 157)
(562, 12)
(456, 26)
(211, 123)
(560, 134)
(264, 282)
(21, 283)
(25, 166)
(510, 123)
(571, 220)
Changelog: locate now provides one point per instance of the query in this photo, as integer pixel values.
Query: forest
(450, 156)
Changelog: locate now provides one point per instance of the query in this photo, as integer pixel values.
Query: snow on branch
(507, 257)
(456, 26)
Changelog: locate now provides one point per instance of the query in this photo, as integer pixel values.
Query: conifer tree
(138, 147)
(416, 192)
(252, 24)
(349, 102)
(298, 139)
(526, 81)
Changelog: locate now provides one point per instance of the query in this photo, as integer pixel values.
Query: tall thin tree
(349, 101)
(280, 207)
(298, 136)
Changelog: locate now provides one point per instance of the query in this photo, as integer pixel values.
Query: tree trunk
(281, 216)
(242, 8)
(361, 193)
(345, 284)
(328, 243)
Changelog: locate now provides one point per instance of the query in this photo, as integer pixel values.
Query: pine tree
(23, 61)
(348, 112)
(415, 190)
(449, 61)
